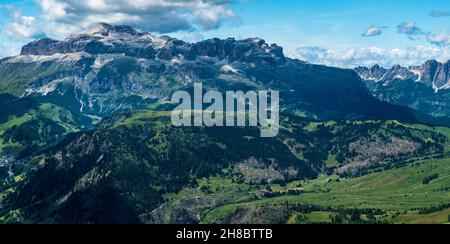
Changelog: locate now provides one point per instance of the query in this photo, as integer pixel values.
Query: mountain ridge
(431, 72)
(425, 88)
(107, 68)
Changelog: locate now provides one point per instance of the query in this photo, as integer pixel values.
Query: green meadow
(400, 193)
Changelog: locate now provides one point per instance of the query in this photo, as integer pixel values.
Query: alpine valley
(86, 136)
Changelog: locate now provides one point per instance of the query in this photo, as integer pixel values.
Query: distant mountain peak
(397, 67)
(376, 66)
(432, 72)
(431, 62)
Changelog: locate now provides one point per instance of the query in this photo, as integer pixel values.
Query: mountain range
(108, 68)
(425, 88)
(86, 137)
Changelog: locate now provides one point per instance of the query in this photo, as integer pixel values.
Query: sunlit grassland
(398, 190)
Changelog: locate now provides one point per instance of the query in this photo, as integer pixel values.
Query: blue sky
(344, 33)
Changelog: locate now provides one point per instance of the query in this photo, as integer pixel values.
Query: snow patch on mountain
(227, 68)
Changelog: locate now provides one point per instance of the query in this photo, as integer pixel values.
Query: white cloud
(163, 16)
(21, 27)
(8, 49)
(410, 29)
(18, 31)
(372, 31)
(440, 39)
(368, 56)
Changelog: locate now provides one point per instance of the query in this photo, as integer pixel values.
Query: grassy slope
(16, 75)
(55, 113)
(413, 217)
(398, 191)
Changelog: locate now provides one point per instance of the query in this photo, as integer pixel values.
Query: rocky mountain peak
(104, 29)
(432, 62)
(397, 67)
(376, 72)
(432, 73)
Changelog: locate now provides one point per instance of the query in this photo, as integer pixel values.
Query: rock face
(428, 70)
(424, 87)
(442, 78)
(45, 46)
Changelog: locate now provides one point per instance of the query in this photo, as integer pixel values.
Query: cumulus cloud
(8, 48)
(410, 29)
(21, 27)
(372, 31)
(162, 16)
(440, 39)
(439, 13)
(368, 56)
